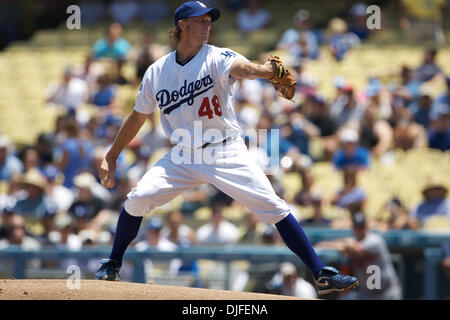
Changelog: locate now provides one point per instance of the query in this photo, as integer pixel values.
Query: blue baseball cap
(195, 9)
(154, 224)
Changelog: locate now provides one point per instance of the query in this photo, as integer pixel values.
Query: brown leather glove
(282, 80)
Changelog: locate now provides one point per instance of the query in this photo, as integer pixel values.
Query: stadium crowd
(52, 191)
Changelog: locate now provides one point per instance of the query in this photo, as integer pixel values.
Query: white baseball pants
(232, 171)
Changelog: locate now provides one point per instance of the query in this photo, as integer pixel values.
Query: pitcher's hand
(107, 173)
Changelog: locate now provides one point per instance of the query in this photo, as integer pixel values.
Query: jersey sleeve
(145, 100)
(224, 59)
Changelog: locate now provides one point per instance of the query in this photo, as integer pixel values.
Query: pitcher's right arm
(127, 132)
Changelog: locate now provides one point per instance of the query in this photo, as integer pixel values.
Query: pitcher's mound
(107, 290)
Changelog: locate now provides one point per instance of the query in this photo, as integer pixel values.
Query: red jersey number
(205, 108)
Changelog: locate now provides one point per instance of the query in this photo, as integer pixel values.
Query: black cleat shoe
(331, 280)
(109, 270)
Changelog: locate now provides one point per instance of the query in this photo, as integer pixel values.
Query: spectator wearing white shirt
(70, 92)
(287, 282)
(218, 231)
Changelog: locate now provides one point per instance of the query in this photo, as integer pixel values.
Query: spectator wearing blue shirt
(443, 102)
(350, 153)
(113, 46)
(439, 132)
(358, 21)
(105, 94)
(10, 165)
(301, 41)
(435, 203)
(409, 89)
(36, 203)
(299, 130)
(75, 155)
(422, 115)
(341, 40)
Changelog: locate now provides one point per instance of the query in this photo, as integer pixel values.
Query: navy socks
(127, 229)
(290, 230)
(296, 240)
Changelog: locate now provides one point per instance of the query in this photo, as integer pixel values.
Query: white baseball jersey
(200, 90)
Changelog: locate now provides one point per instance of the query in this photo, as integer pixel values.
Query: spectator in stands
(409, 89)
(378, 99)
(64, 237)
(318, 218)
(435, 201)
(16, 235)
(429, 69)
(376, 134)
(363, 250)
(253, 17)
(252, 231)
(399, 218)
(88, 209)
(104, 96)
(153, 11)
(217, 232)
(443, 101)
(439, 132)
(70, 92)
(407, 133)
(62, 196)
(345, 108)
(284, 147)
(7, 215)
(287, 282)
(298, 131)
(113, 46)
(75, 153)
(92, 11)
(118, 78)
(10, 165)
(358, 21)
(123, 11)
(153, 238)
(422, 114)
(259, 274)
(351, 196)
(44, 145)
(301, 41)
(320, 116)
(351, 153)
(145, 56)
(421, 20)
(177, 232)
(341, 40)
(36, 203)
(305, 195)
(30, 158)
(155, 138)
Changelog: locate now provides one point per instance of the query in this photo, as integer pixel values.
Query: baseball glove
(282, 80)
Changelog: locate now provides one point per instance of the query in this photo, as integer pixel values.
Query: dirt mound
(105, 290)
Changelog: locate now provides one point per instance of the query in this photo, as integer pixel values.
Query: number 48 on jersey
(205, 108)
